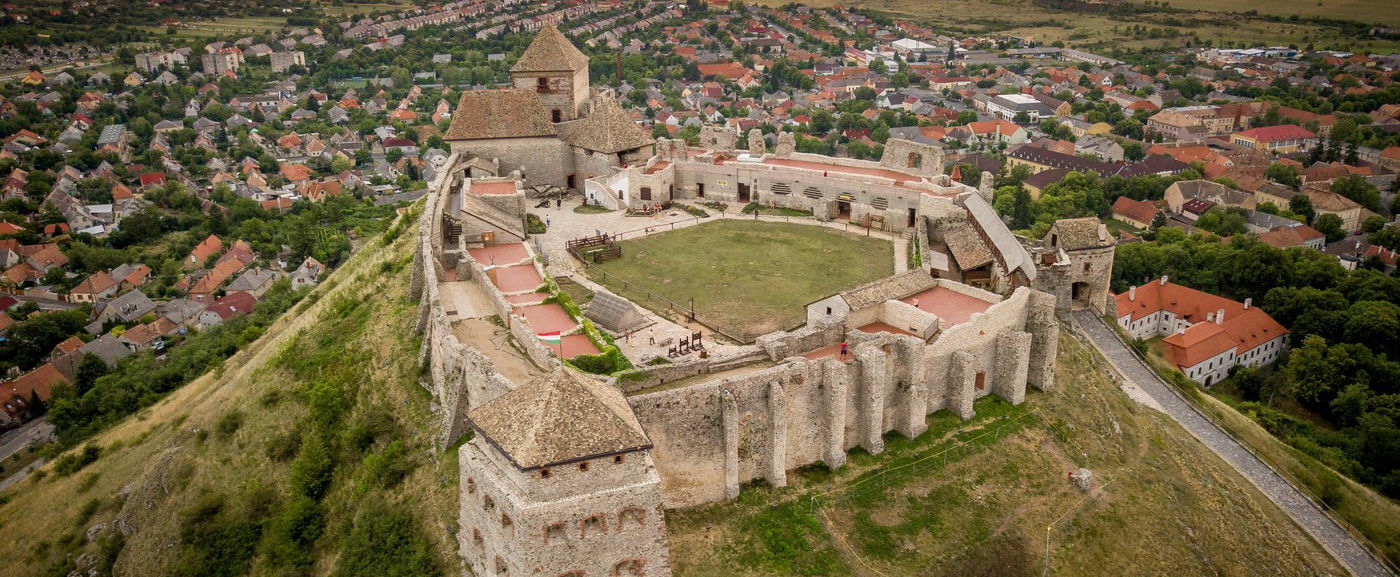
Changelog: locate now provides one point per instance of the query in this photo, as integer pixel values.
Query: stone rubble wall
(781, 345)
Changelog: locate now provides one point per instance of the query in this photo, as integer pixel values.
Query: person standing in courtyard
(843, 349)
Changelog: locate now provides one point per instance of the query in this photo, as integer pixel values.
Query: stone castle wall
(542, 159)
(711, 437)
(458, 376)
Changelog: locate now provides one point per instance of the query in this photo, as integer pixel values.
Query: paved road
(1336, 540)
(21, 474)
(17, 439)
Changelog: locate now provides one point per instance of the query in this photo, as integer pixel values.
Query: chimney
(1247, 302)
(1132, 294)
(1163, 282)
(1220, 317)
(1210, 317)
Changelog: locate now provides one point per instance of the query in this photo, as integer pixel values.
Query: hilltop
(307, 452)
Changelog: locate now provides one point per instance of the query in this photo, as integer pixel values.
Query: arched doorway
(1079, 294)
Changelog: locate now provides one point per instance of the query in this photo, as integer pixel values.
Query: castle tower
(557, 71)
(559, 480)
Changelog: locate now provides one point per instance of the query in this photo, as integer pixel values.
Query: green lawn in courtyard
(754, 277)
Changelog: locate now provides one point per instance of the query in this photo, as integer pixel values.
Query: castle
(570, 473)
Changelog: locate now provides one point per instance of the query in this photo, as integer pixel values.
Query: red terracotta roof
(1276, 133)
(1139, 210)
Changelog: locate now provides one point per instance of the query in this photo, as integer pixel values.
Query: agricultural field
(990, 496)
(1197, 21)
(756, 277)
(226, 27)
(1369, 11)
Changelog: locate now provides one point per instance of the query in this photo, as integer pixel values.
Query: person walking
(546, 221)
(843, 349)
(651, 337)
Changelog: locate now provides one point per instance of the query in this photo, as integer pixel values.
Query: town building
(1205, 335)
(1281, 139)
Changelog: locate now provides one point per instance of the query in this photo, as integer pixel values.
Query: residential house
(97, 286)
(308, 273)
(1300, 235)
(256, 281)
(226, 308)
(1181, 192)
(1139, 213)
(17, 395)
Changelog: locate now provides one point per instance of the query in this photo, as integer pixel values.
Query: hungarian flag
(550, 337)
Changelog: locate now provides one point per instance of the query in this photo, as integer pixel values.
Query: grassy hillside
(305, 454)
(976, 498)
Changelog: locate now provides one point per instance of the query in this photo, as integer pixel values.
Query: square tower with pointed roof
(557, 71)
(559, 480)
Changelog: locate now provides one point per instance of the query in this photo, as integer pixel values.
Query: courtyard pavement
(1340, 543)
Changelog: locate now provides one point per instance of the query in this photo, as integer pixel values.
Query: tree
(1372, 223)
(1330, 225)
(312, 468)
(877, 66)
(1132, 151)
(1022, 117)
(1315, 371)
(1284, 174)
(89, 370)
(1223, 221)
(1357, 189)
(1159, 220)
(1021, 216)
(1301, 205)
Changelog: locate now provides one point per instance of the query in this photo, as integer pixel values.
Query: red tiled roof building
(1205, 334)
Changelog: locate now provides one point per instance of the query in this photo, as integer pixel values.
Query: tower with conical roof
(557, 71)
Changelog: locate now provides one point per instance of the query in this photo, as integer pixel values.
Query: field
(1197, 21)
(753, 277)
(230, 436)
(990, 497)
(1369, 11)
(226, 28)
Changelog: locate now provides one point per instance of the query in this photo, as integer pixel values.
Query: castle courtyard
(749, 277)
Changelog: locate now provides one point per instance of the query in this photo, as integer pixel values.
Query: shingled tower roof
(550, 51)
(499, 113)
(558, 418)
(607, 128)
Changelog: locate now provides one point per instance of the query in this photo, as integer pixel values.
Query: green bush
(387, 468)
(313, 468)
(73, 462)
(289, 535)
(283, 447)
(229, 423)
(215, 541)
(534, 225)
(385, 541)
